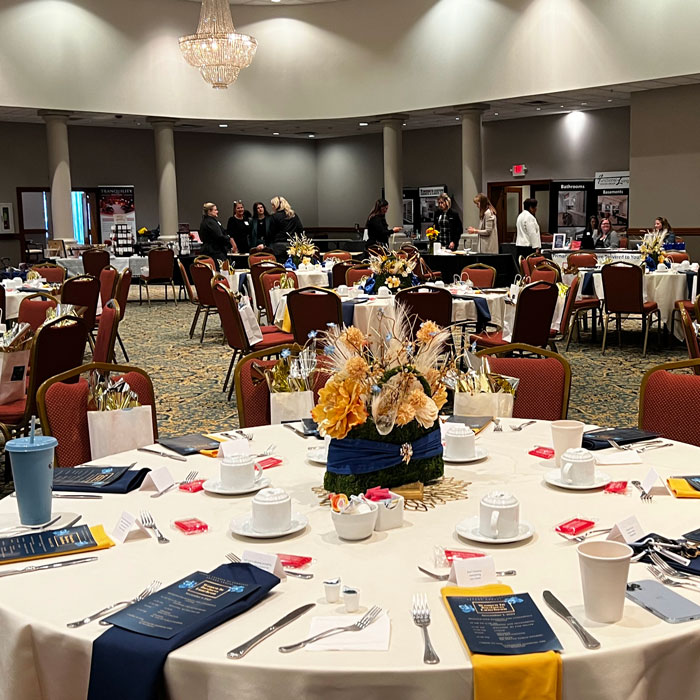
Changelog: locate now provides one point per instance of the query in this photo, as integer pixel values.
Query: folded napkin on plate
(517, 677)
(600, 440)
(680, 488)
(619, 457)
(126, 665)
(130, 480)
(375, 637)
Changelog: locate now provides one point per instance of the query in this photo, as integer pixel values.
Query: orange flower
(440, 397)
(426, 331)
(405, 414)
(357, 368)
(354, 337)
(341, 406)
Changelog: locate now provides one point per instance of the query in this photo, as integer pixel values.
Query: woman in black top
(449, 224)
(378, 230)
(259, 226)
(284, 222)
(238, 228)
(215, 242)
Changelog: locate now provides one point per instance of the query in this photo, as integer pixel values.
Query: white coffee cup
(604, 567)
(239, 472)
(460, 442)
(272, 510)
(439, 283)
(384, 292)
(566, 434)
(578, 467)
(342, 290)
(499, 515)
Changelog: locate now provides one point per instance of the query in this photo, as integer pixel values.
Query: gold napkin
(680, 488)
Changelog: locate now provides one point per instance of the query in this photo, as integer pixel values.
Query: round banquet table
(641, 657)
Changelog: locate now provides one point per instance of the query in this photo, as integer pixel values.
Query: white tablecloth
(616, 255)
(641, 657)
(74, 266)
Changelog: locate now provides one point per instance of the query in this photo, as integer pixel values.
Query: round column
(393, 186)
(471, 162)
(167, 180)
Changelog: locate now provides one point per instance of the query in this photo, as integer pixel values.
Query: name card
(125, 528)
(158, 480)
(267, 562)
(651, 479)
(627, 530)
(477, 571)
(234, 447)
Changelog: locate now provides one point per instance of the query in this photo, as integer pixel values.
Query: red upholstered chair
(677, 256)
(624, 296)
(689, 307)
(337, 255)
(312, 309)
(533, 318)
(545, 272)
(259, 256)
(94, 260)
(624, 242)
(83, 290)
(234, 332)
(425, 303)
(121, 296)
(669, 403)
(691, 338)
(202, 276)
(206, 260)
(161, 263)
(528, 264)
(545, 380)
(62, 402)
(481, 275)
(106, 333)
(32, 309)
(52, 273)
(424, 272)
(582, 260)
(355, 273)
(109, 276)
(411, 251)
(268, 281)
(257, 269)
(339, 271)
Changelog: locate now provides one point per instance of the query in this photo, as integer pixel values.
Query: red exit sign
(518, 170)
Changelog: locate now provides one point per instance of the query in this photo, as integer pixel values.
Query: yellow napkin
(215, 451)
(680, 488)
(286, 321)
(516, 677)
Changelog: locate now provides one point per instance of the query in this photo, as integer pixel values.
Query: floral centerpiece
(301, 250)
(380, 406)
(433, 234)
(652, 249)
(389, 270)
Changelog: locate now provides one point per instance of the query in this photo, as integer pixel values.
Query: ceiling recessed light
(364, 123)
(539, 109)
(583, 104)
(312, 136)
(456, 119)
(610, 99)
(274, 0)
(275, 133)
(562, 106)
(223, 126)
(495, 114)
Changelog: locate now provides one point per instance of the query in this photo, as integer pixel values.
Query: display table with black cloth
(41, 658)
(451, 264)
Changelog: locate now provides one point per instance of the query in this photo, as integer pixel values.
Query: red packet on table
(544, 452)
(268, 462)
(452, 554)
(294, 561)
(575, 526)
(192, 486)
(616, 487)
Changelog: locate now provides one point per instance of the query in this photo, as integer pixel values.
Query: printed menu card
(53, 543)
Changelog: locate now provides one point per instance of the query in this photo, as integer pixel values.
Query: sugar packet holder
(444, 557)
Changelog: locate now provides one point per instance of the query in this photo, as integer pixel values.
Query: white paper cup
(604, 567)
(566, 435)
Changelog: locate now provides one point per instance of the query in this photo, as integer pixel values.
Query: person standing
(378, 230)
(527, 238)
(284, 222)
(238, 228)
(259, 226)
(448, 223)
(608, 237)
(215, 242)
(488, 228)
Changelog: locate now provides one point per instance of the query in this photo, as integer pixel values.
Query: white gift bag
(290, 406)
(498, 405)
(13, 375)
(118, 431)
(250, 322)
(508, 322)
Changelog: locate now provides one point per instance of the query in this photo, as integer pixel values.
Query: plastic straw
(33, 428)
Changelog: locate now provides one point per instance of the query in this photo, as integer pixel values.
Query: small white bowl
(355, 526)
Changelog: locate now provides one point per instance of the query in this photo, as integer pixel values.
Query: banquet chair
(62, 403)
(410, 250)
(259, 256)
(83, 290)
(234, 331)
(377, 249)
(355, 273)
(688, 305)
(677, 256)
(545, 272)
(94, 259)
(32, 309)
(339, 270)
(56, 248)
(691, 337)
(161, 262)
(624, 296)
(109, 276)
(669, 403)
(481, 275)
(106, 333)
(582, 260)
(424, 272)
(268, 281)
(337, 255)
(257, 269)
(533, 318)
(121, 296)
(528, 264)
(202, 276)
(52, 273)
(426, 303)
(206, 260)
(545, 380)
(312, 309)
(624, 242)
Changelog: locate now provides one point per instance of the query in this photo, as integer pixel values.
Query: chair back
(481, 275)
(545, 272)
(339, 270)
(160, 264)
(691, 338)
(206, 260)
(312, 309)
(426, 303)
(106, 332)
(121, 293)
(32, 309)
(62, 403)
(231, 322)
(677, 256)
(259, 257)
(411, 251)
(94, 260)
(109, 277)
(533, 313)
(528, 264)
(669, 403)
(355, 273)
(268, 281)
(83, 290)
(376, 249)
(337, 255)
(571, 295)
(202, 276)
(257, 269)
(623, 287)
(52, 273)
(191, 294)
(423, 271)
(582, 260)
(545, 380)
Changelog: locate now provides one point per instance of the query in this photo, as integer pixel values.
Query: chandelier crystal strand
(217, 49)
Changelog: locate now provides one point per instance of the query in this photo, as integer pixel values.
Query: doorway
(507, 199)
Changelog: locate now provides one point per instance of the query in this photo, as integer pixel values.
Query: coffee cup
(239, 472)
(499, 515)
(439, 283)
(384, 292)
(342, 290)
(32, 471)
(272, 510)
(566, 434)
(578, 467)
(460, 442)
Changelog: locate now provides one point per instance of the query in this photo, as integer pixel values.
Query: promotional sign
(612, 190)
(428, 204)
(116, 203)
(571, 205)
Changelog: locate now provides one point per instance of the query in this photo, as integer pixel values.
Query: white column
(471, 162)
(393, 187)
(59, 174)
(167, 180)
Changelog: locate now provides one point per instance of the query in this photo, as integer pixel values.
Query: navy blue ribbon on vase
(352, 456)
(370, 285)
(289, 264)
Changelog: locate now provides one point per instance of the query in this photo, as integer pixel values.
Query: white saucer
(215, 486)
(479, 453)
(469, 529)
(553, 478)
(317, 454)
(244, 526)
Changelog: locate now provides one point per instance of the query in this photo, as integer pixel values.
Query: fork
(637, 446)
(247, 436)
(667, 580)
(268, 451)
(148, 522)
(421, 616)
(369, 617)
(644, 496)
(152, 588)
(234, 559)
(522, 425)
(497, 428)
(187, 480)
(585, 535)
(667, 569)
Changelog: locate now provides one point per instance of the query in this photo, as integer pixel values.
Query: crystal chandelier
(217, 49)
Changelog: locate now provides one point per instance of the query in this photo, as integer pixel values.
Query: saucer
(553, 478)
(244, 526)
(479, 453)
(469, 529)
(215, 486)
(319, 455)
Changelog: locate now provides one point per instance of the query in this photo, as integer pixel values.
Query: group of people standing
(245, 231)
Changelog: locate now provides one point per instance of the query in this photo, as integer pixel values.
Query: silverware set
(41, 567)
(268, 451)
(234, 559)
(518, 428)
(446, 577)
(668, 581)
(187, 480)
(641, 446)
(668, 569)
(584, 535)
(421, 617)
(160, 453)
(147, 521)
(497, 427)
(152, 588)
(644, 496)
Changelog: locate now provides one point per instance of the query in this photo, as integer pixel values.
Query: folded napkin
(129, 481)
(680, 488)
(375, 637)
(692, 568)
(622, 436)
(619, 457)
(126, 665)
(349, 309)
(517, 677)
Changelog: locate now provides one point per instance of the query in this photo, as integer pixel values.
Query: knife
(241, 651)
(55, 565)
(178, 458)
(589, 641)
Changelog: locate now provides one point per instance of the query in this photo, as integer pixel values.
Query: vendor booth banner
(116, 204)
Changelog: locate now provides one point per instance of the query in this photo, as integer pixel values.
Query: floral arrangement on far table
(301, 250)
(388, 270)
(432, 234)
(652, 249)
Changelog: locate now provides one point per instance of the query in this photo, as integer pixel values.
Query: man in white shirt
(527, 239)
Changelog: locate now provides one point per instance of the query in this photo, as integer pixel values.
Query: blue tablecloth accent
(11, 274)
(126, 665)
(689, 275)
(242, 281)
(349, 310)
(130, 480)
(350, 456)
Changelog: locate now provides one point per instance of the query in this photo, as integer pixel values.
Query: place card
(158, 480)
(476, 571)
(651, 479)
(627, 530)
(125, 528)
(267, 562)
(240, 446)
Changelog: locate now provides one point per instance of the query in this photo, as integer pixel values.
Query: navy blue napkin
(622, 436)
(349, 309)
(130, 480)
(588, 288)
(483, 314)
(693, 568)
(129, 665)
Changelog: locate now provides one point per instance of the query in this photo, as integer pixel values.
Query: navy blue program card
(503, 625)
(46, 544)
(182, 606)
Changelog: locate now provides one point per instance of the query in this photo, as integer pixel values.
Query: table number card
(125, 528)
(267, 562)
(158, 480)
(476, 571)
(627, 530)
